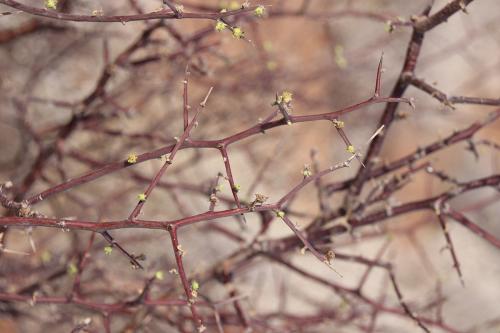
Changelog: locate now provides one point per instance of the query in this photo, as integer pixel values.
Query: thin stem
(157, 15)
(169, 159)
(182, 275)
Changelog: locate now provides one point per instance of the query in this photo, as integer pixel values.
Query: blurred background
(326, 53)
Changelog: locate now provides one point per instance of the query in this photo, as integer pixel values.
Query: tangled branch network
(170, 290)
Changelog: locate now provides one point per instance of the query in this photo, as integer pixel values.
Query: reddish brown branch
(463, 220)
(161, 14)
(442, 223)
(169, 159)
(450, 100)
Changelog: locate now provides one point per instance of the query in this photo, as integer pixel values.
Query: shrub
(232, 110)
